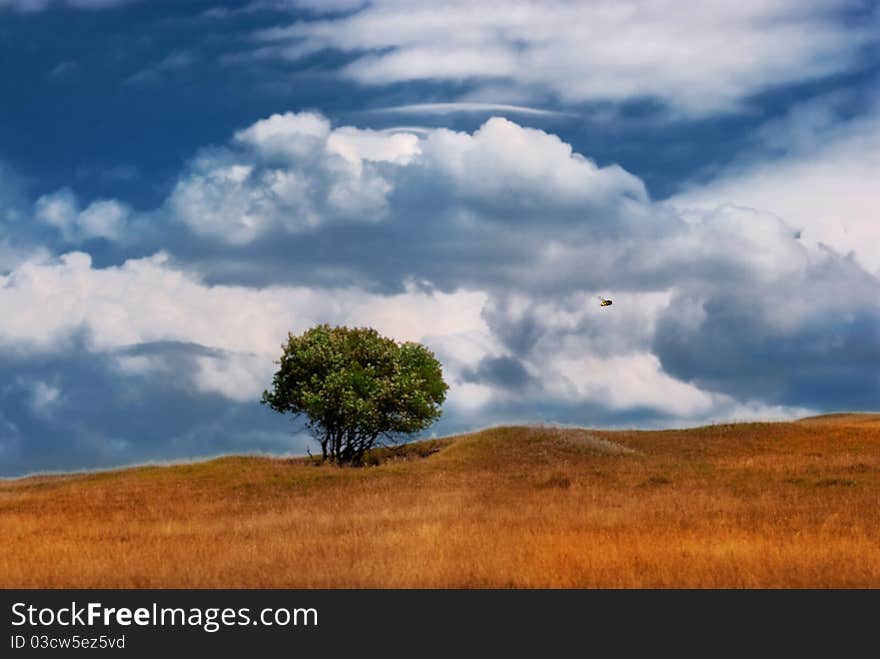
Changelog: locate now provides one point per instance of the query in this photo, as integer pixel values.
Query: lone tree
(356, 388)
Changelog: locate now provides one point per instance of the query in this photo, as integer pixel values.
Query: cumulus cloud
(490, 247)
(293, 172)
(510, 222)
(822, 184)
(54, 304)
(103, 218)
(710, 58)
(148, 321)
(287, 172)
(11, 256)
(148, 335)
(506, 169)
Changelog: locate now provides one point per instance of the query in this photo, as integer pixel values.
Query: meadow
(790, 505)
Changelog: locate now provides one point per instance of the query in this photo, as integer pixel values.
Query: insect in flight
(603, 302)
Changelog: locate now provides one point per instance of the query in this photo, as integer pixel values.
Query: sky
(184, 183)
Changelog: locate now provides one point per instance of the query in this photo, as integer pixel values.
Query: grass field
(745, 505)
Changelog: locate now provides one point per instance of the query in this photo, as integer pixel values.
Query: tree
(356, 388)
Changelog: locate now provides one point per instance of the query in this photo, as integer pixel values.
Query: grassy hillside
(745, 505)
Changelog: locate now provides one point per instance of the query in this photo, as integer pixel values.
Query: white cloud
(464, 107)
(11, 256)
(238, 377)
(581, 355)
(148, 301)
(103, 218)
(286, 172)
(522, 233)
(708, 58)
(48, 303)
(826, 186)
(625, 381)
(504, 164)
(355, 145)
(286, 135)
(470, 399)
(293, 172)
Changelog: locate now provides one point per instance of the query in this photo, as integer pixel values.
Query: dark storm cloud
(502, 372)
(520, 333)
(830, 359)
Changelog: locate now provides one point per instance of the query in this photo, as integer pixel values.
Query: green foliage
(356, 387)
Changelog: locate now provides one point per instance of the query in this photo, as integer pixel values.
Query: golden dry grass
(746, 505)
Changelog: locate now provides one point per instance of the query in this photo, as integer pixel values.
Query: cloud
(822, 182)
(488, 246)
(708, 59)
(505, 372)
(55, 303)
(102, 418)
(13, 201)
(513, 216)
(324, 6)
(293, 172)
(781, 345)
(15, 215)
(175, 61)
(63, 69)
(104, 218)
(147, 336)
(40, 5)
(45, 396)
(476, 108)
(11, 255)
(313, 6)
(287, 172)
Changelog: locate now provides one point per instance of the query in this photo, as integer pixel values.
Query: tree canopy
(356, 388)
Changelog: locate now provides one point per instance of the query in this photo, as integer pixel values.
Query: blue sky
(182, 183)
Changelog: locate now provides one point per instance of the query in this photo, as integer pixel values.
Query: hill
(738, 505)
